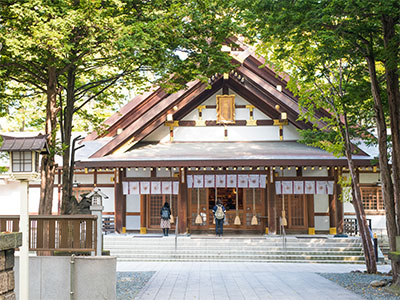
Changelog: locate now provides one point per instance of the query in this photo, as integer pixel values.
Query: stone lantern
(96, 208)
(24, 166)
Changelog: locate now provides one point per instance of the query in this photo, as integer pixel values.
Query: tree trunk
(366, 238)
(387, 184)
(48, 167)
(67, 176)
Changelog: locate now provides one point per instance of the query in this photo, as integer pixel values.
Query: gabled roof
(251, 80)
(32, 143)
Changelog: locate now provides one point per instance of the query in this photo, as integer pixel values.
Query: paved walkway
(234, 281)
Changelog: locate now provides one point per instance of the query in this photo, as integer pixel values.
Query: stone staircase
(235, 249)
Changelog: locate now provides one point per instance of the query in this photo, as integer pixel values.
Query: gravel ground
(130, 283)
(358, 283)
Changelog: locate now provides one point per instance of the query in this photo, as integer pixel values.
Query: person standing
(165, 214)
(219, 215)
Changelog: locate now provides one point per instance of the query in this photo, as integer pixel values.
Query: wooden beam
(119, 201)
(332, 207)
(310, 214)
(337, 190)
(182, 202)
(143, 214)
(272, 226)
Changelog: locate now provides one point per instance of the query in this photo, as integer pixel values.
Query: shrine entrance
(242, 202)
(295, 207)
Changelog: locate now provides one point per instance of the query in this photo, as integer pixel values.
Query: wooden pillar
(271, 203)
(332, 206)
(143, 214)
(337, 190)
(182, 201)
(310, 214)
(119, 201)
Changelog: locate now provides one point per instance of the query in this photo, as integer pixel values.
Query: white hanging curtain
(209, 181)
(298, 187)
(198, 181)
(243, 181)
(278, 188)
(254, 181)
(144, 187)
(175, 188)
(287, 187)
(220, 181)
(231, 181)
(134, 188)
(166, 187)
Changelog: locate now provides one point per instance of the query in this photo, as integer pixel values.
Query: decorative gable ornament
(225, 109)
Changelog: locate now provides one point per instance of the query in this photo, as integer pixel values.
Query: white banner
(190, 181)
(220, 181)
(175, 188)
(309, 187)
(278, 188)
(125, 187)
(209, 181)
(134, 188)
(243, 181)
(329, 187)
(198, 181)
(144, 187)
(263, 181)
(254, 181)
(298, 187)
(321, 187)
(166, 187)
(231, 181)
(287, 187)
(155, 187)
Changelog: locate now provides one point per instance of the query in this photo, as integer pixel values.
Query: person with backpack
(165, 214)
(219, 215)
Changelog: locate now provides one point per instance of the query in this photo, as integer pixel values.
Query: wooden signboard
(225, 109)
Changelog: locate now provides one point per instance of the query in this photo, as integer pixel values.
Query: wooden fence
(76, 233)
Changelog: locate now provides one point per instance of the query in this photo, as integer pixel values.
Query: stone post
(97, 211)
(8, 242)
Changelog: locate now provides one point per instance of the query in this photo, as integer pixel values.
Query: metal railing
(76, 233)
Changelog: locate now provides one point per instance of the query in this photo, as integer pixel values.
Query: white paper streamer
(190, 181)
(125, 188)
(263, 181)
(175, 188)
(278, 188)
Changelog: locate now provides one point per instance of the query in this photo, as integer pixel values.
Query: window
(372, 198)
(22, 161)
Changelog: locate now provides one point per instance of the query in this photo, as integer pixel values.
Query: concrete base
(50, 277)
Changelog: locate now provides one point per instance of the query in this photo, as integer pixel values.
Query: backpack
(165, 213)
(219, 214)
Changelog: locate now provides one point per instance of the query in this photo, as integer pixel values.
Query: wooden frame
(225, 109)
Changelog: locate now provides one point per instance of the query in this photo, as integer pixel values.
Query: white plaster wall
(316, 172)
(132, 203)
(321, 223)
(84, 178)
(105, 178)
(250, 133)
(258, 115)
(377, 222)
(369, 177)
(321, 203)
(210, 134)
(9, 198)
(159, 134)
(348, 207)
(139, 173)
(108, 203)
(132, 222)
(290, 133)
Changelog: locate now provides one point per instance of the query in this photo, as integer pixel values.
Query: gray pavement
(234, 281)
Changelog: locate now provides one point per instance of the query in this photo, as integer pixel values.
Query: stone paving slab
(234, 281)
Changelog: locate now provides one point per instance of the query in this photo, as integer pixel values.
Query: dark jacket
(169, 211)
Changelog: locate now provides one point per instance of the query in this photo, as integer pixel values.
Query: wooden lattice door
(154, 204)
(295, 210)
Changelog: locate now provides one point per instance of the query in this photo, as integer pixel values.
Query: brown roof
(35, 143)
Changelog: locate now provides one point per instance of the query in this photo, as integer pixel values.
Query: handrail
(176, 233)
